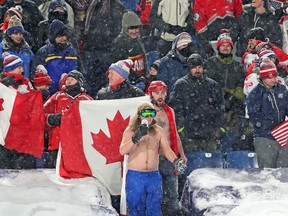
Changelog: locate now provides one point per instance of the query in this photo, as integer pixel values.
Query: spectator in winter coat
(258, 16)
(128, 45)
(58, 104)
(230, 75)
(173, 65)
(102, 24)
(14, 43)
(31, 17)
(267, 108)
(58, 55)
(170, 18)
(119, 85)
(12, 77)
(199, 107)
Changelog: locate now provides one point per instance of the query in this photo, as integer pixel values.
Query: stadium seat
(241, 160)
(201, 159)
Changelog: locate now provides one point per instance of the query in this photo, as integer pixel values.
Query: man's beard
(158, 103)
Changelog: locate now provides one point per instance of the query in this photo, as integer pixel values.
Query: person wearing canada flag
(142, 140)
(267, 106)
(59, 103)
(12, 75)
(166, 119)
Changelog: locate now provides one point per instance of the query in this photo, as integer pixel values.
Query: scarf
(173, 131)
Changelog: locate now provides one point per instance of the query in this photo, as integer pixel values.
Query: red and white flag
(21, 121)
(90, 135)
(280, 133)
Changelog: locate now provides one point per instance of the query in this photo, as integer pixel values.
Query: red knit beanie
(267, 69)
(41, 76)
(224, 37)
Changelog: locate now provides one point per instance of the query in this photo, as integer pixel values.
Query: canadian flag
(21, 121)
(280, 133)
(90, 135)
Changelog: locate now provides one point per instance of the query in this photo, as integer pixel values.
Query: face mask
(73, 90)
(185, 51)
(222, 55)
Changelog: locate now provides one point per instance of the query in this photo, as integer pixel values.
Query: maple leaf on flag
(1, 102)
(109, 147)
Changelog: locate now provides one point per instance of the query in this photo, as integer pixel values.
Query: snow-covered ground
(231, 192)
(43, 193)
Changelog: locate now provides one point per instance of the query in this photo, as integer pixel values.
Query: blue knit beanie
(122, 67)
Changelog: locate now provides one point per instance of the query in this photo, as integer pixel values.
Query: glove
(179, 165)
(220, 133)
(54, 119)
(141, 131)
(10, 80)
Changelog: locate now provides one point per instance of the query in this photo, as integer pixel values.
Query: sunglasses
(147, 113)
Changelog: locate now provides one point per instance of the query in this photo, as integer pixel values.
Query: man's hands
(180, 166)
(141, 131)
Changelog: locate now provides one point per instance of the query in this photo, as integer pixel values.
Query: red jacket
(60, 102)
(207, 11)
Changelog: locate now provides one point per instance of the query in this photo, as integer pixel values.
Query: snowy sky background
(42, 193)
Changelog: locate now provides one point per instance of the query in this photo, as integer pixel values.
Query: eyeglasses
(147, 113)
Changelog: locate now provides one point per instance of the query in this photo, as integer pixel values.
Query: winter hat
(17, 10)
(130, 19)
(184, 39)
(14, 26)
(41, 76)
(157, 86)
(122, 67)
(267, 69)
(194, 60)
(77, 75)
(56, 28)
(256, 33)
(56, 4)
(266, 53)
(11, 62)
(224, 37)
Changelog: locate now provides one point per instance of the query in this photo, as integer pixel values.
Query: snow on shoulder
(41, 192)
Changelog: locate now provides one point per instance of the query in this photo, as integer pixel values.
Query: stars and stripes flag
(280, 133)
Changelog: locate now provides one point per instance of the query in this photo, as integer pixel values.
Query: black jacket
(124, 90)
(198, 106)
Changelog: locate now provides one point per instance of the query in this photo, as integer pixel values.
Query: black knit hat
(194, 60)
(77, 75)
(256, 33)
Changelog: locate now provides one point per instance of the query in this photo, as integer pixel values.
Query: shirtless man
(143, 180)
(166, 119)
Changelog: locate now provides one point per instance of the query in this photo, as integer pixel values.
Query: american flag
(276, 4)
(280, 133)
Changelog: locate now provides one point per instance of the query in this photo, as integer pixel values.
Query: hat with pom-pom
(11, 62)
(41, 77)
(224, 37)
(266, 53)
(122, 67)
(267, 69)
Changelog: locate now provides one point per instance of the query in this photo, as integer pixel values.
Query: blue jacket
(267, 108)
(57, 63)
(24, 52)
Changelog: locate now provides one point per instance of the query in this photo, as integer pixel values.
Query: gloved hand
(54, 119)
(10, 80)
(141, 131)
(180, 166)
